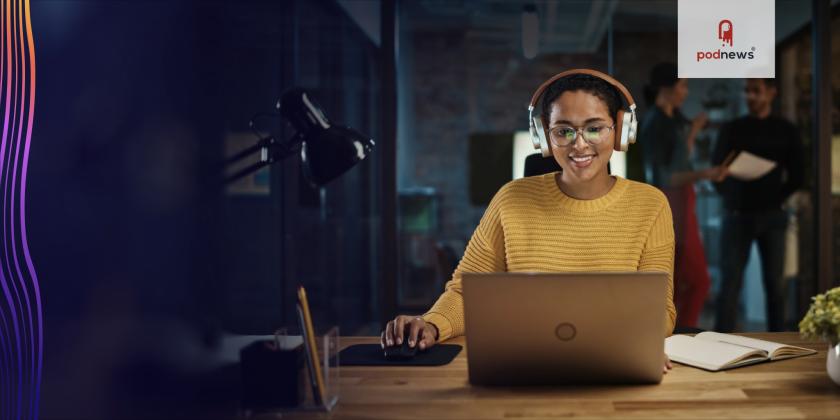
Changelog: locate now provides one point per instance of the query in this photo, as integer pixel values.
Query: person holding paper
(578, 219)
(668, 141)
(753, 208)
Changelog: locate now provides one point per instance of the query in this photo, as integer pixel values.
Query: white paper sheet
(749, 167)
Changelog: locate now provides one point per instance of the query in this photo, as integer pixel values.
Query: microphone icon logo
(725, 32)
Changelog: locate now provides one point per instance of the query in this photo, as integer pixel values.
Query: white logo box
(705, 29)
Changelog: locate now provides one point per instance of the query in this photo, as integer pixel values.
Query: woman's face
(581, 161)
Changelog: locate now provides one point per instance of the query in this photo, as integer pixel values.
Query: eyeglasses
(594, 134)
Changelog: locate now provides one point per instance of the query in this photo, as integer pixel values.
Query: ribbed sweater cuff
(441, 322)
(669, 326)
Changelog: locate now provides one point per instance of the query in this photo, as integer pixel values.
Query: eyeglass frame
(578, 131)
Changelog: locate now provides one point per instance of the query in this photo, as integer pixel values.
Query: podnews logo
(725, 31)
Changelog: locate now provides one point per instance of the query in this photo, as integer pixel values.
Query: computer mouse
(400, 351)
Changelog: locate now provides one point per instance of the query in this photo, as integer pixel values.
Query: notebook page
(754, 343)
(707, 354)
(777, 351)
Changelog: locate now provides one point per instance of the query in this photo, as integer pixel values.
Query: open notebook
(715, 351)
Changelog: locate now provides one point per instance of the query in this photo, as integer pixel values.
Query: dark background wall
(460, 90)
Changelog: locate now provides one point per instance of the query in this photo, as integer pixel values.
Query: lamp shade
(326, 154)
(328, 150)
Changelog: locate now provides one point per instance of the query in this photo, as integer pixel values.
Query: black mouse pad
(373, 355)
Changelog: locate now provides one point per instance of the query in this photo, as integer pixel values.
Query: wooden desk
(796, 388)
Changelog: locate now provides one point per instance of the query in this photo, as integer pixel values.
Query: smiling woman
(580, 219)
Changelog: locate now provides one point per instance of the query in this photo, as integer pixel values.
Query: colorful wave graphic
(21, 315)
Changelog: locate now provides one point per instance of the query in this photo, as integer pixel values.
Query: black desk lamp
(326, 150)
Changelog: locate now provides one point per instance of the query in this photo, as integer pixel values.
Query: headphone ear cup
(632, 126)
(539, 137)
(619, 132)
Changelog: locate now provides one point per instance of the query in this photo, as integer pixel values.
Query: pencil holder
(277, 377)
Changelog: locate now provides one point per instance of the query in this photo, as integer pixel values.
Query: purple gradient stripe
(21, 313)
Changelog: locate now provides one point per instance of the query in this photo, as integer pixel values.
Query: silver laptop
(564, 328)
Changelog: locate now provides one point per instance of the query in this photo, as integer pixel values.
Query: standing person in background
(753, 209)
(669, 141)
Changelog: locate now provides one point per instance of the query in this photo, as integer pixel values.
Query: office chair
(536, 164)
(447, 260)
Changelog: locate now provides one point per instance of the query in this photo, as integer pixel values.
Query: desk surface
(795, 388)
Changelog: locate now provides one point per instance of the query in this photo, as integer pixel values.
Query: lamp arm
(270, 151)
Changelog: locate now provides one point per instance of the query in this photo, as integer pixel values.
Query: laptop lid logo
(565, 331)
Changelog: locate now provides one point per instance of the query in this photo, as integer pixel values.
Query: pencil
(309, 336)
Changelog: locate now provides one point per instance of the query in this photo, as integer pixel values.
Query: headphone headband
(625, 120)
(615, 83)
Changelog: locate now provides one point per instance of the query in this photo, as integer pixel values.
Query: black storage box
(272, 376)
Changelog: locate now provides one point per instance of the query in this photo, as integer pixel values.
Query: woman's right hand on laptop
(417, 331)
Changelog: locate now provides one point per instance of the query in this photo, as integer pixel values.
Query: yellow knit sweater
(531, 225)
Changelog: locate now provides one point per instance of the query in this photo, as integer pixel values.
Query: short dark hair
(602, 89)
(767, 82)
(661, 75)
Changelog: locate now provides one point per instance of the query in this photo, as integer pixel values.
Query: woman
(669, 143)
(578, 219)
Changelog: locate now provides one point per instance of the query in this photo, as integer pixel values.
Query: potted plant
(823, 321)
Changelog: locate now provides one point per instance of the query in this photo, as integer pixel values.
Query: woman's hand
(667, 366)
(412, 328)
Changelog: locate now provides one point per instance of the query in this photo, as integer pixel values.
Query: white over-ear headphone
(626, 123)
